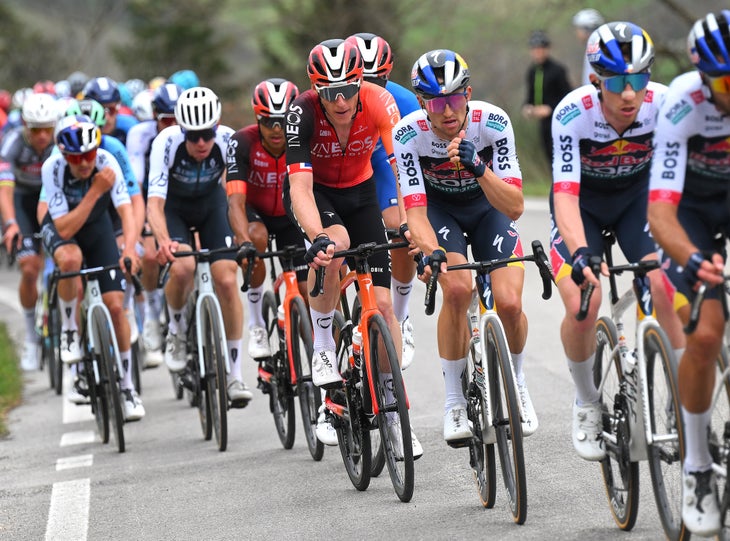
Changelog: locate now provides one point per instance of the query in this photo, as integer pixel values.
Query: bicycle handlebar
(694, 313)
(287, 253)
(538, 256)
(363, 251)
(98, 270)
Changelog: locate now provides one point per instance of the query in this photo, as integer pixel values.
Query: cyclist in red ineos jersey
(329, 192)
(255, 175)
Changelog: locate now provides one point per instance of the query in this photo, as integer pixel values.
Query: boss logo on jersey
(502, 154)
(496, 122)
(566, 153)
(404, 134)
(678, 111)
(439, 145)
(567, 113)
(423, 125)
(409, 164)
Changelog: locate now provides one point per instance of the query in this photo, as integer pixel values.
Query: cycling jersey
(253, 171)
(589, 153)
(64, 192)
(175, 174)
(122, 127)
(312, 144)
(692, 145)
(139, 145)
(385, 181)
(425, 170)
(20, 165)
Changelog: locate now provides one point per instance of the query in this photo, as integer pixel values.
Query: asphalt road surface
(57, 481)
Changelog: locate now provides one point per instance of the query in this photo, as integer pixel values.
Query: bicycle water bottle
(356, 345)
(280, 319)
(474, 315)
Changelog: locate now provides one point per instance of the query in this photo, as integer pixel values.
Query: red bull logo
(723, 145)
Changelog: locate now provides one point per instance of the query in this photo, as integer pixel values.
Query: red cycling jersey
(313, 146)
(253, 171)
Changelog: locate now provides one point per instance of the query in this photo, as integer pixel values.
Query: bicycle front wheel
(310, 397)
(97, 397)
(665, 453)
(54, 344)
(390, 395)
(620, 475)
(215, 371)
(718, 423)
(102, 329)
(507, 422)
(282, 396)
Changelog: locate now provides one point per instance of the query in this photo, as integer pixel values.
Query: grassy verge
(11, 382)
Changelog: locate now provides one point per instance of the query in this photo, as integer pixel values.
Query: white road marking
(73, 413)
(77, 461)
(78, 437)
(68, 516)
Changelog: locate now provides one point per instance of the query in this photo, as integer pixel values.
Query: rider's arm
(569, 221)
(158, 178)
(70, 223)
(422, 233)
(237, 212)
(303, 204)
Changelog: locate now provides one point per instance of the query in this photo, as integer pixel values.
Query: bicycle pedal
(237, 404)
(459, 444)
(264, 386)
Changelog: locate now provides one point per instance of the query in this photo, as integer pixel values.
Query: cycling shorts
(26, 205)
(285, 233)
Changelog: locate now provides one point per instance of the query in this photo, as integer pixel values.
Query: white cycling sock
(234, 354)
(177, 324)
(585, 389)
(322, 325)
(68, 314)
(31, 335)
(126, 357)
(151, 304)
(452, 371)
(254, 298)
(401, 292)
(697, 455)
(517, 360)
(128, 302)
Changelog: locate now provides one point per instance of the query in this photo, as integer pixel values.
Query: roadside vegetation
(11, 382)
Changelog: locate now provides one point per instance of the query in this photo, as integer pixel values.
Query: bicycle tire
(54, 360)
(282, 396)
(97, 397)
(620, 474)
(102, 329)
(665, 457)
(398, 453)
(718, 422)
(481, 455)
(353, 430)
(310, 397)
(136, 362)
(215, 370)
(197, 394)
(507, 420)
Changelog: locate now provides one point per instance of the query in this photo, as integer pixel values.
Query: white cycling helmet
(590, 19)
(198, 108)
(39, 111)
(142, 105)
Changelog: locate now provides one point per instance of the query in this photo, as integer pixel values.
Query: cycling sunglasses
(193, 136)
(76, 159)
(617, 83)
(720, 84)
(272, 122)
(438, 105)
(166, 119)
(332, 92)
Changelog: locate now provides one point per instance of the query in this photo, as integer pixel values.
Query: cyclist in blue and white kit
(187, 164)
(688, 206)
(377, 64)
(81, 182)
(23, 151)
(139, 145)
(106, 91)
(461, 183)
(602, 148)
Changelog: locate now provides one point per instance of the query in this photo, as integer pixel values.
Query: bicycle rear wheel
(137, 357)
(507, 421)
(718, 424)
(54, 352)
(310, 396)
(620, 475)
(665, 453)
(481, 447)
(215, 371)
(393, 420)
(282, 397)
(353, 427)
(105, 353)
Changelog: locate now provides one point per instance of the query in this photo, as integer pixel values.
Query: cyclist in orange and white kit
(602, 149)
(688, 207)
(23, 151)
(254, 181)
(331, 131)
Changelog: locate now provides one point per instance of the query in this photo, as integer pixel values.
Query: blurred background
(234, 44)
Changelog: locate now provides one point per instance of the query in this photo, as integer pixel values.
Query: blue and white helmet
(619, 48)
(77, 134)
(708, 44)
(439, 72)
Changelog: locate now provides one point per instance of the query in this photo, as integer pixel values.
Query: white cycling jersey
(139, 143)
(424, 167)
(692, 145)
(588, 152)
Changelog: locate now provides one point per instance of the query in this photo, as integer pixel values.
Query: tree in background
(170, 35)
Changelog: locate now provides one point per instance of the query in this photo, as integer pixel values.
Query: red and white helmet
(334, 61)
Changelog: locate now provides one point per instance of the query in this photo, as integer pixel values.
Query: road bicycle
(48, 328)
(100, 366)
(493, 404)
(368, 399)
(207, 352)
(640, 406)
(288, 372)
